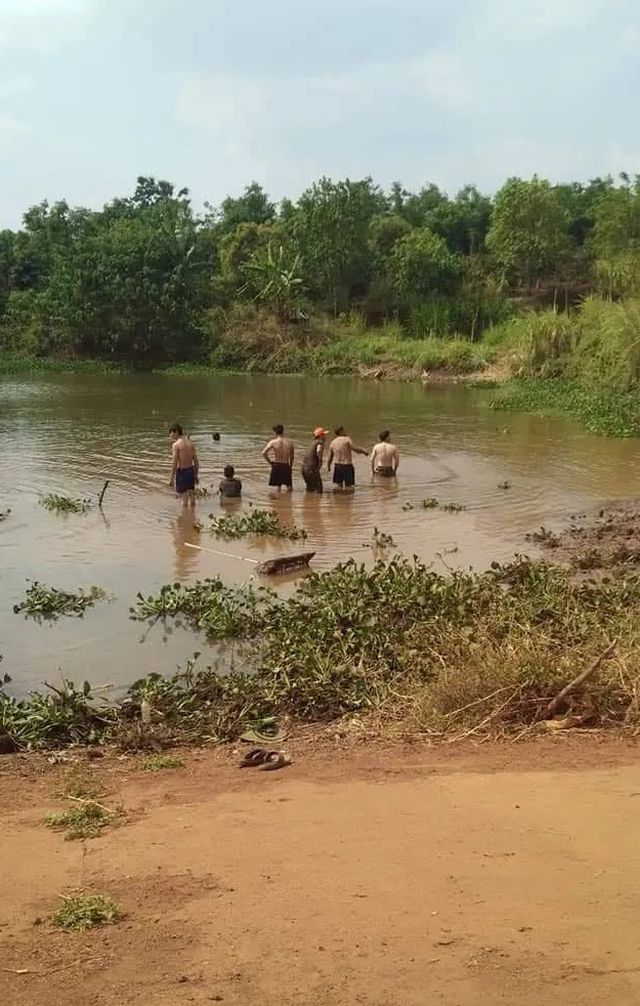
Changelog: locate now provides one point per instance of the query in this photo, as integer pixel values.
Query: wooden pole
(104, 489)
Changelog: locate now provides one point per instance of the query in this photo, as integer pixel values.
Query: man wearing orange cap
(312, 461)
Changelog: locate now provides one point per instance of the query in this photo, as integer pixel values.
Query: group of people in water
(279, 453)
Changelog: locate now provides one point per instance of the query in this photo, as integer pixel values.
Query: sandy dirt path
(394, 879)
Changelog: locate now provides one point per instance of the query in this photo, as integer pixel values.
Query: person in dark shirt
(230, 487)
(312, 461)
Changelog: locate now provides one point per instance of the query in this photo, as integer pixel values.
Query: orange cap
(320, 431)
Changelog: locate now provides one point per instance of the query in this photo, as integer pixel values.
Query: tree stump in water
(287, 564)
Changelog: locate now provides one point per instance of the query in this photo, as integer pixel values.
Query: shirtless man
(385, 457)
(279, 454)
(185, 465)
(341, 450)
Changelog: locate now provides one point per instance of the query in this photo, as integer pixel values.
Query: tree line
(148, 278)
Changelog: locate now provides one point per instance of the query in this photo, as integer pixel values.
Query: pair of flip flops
(268, 761)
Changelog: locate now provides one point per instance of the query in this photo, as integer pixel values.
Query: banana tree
(280, 284)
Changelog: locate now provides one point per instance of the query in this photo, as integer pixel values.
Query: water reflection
(184, 534)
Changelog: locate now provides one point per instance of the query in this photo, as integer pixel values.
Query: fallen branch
(561, 696)
(79, 799)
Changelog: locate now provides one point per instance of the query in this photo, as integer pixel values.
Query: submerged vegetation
(255, 522)
(50, 602)
(432, 653)
(603, 411)
(381, 540)
(64, 504)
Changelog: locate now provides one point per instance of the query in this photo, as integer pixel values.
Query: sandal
(253, 758)
(275, 760)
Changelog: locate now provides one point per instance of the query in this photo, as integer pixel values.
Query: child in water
(230, 487)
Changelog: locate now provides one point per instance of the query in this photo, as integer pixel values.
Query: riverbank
(400, 649)
(355, 875)
(376, 355)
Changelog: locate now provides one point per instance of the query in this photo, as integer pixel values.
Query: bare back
(342, 450)
(385, 455)
(184, 453)
(279, 450)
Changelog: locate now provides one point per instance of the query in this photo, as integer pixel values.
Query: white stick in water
(228, 555)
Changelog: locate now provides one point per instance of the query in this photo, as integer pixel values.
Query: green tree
(421, 266)
(331, 228)
(528, 232)
(580, 202)
(128, 284)
(384, 231)
(616, 238)
(7, 241)
(252, 207)
(463, 222)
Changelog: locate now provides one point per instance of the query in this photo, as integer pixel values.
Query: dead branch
(79, 799)
(104, 489)
(561, 696)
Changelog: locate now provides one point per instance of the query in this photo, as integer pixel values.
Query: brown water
(68, 433)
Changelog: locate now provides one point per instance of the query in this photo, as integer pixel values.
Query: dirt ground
(597, 543)
(398, 877)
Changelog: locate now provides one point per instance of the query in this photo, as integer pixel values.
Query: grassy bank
(585, 364)
(18, 364)
(399, 644)
(256, 352)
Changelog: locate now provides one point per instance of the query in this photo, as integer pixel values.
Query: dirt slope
(395, 879)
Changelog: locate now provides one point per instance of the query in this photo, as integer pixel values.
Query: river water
(68, 433)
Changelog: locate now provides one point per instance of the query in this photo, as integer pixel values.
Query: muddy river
(68, 433)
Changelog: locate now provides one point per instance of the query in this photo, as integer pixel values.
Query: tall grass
(597, 345)
(585, 364)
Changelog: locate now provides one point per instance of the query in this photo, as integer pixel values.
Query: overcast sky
(211, 94)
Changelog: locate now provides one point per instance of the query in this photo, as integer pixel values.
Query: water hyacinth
(64, 504)
(255, 522)
(51, 602)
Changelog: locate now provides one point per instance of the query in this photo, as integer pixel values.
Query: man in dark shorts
(279, 454)
(184, 467)
(341, 450)
(230, 487)
(312, 461)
